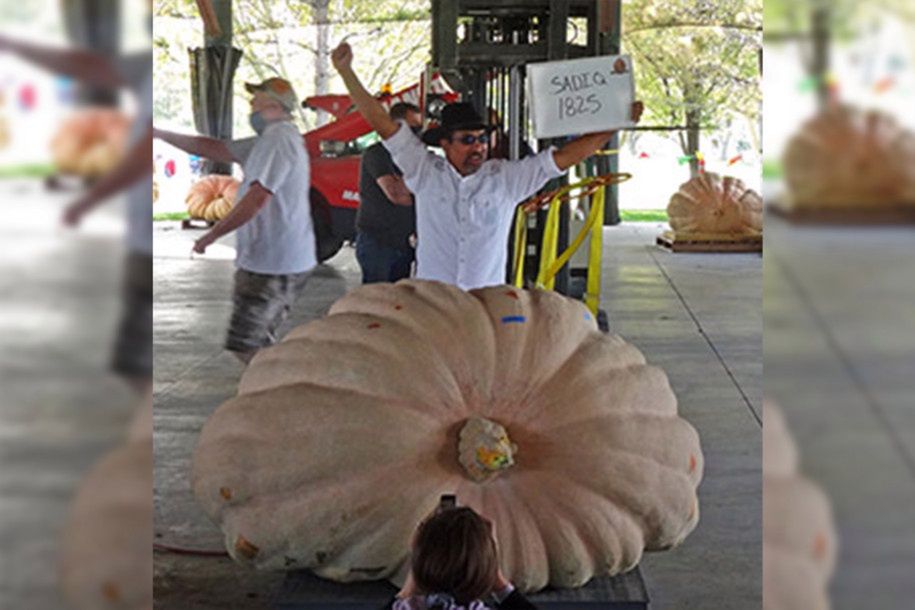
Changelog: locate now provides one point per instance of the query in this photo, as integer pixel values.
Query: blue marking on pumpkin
(510, 319)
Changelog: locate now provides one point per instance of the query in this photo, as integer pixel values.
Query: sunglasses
(470, 140)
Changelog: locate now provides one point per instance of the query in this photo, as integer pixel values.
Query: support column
(610, 20)
(94, 25)
(212, 74)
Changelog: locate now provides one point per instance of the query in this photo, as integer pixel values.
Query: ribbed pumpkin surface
(212, 197)
(799, 543)
(850, 158)
(344, 435)
(711, 205)
(90, 142)
(106, 548)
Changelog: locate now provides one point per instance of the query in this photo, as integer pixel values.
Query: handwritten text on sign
(581, 95)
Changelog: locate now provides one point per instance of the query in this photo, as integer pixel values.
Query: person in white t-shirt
(272, 217)
(464, 203)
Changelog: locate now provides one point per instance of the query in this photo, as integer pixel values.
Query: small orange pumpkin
(91, 142)
(212, 197)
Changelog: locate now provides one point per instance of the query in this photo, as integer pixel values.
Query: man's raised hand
(637, 109)
(342, 56)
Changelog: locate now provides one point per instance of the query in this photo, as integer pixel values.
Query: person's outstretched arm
(368, 106)
(378, 166)
(136, 165)
(202, 146)
(584, 146)
(83, 65)
(395, 189)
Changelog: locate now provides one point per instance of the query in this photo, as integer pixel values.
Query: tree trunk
(692, 141)
(322, 64)
(755, 129)
(820, 38)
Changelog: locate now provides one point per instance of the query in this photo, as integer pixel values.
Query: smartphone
(447, 501)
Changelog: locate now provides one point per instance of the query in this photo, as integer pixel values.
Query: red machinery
(335, 150)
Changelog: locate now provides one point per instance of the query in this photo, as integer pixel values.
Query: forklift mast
(480, 47)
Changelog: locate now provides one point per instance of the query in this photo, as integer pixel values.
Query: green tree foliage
(789, 19)
(294, 38)
(817, 24)
(697, 63)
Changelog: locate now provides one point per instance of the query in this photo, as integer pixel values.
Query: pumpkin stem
(484, 449)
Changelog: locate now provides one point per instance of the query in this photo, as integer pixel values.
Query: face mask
(258, 122)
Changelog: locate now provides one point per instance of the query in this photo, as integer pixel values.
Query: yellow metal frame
(550, 261)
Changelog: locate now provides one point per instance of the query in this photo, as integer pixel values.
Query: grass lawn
(643, 215)
(27, 170)
(170, 216)
(772, 169)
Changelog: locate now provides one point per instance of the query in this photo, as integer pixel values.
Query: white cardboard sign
(578, 96)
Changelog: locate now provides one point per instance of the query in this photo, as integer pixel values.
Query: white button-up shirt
(462, 222)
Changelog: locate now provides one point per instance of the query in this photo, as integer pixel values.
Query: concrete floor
(840, 359)
(59, 408)
(697, 316)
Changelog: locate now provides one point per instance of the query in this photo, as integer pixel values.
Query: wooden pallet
(68, 182)
(709, 243)
(856, 216)
(196, 223)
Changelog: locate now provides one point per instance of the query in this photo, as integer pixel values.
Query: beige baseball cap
(277, 88)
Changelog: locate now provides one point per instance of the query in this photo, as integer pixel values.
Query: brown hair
(454, 552)
(400, 110)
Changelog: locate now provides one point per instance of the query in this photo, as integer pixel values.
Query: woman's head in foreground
(454, 552)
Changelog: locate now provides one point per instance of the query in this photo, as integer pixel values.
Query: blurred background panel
(839, 300)
(61, 409)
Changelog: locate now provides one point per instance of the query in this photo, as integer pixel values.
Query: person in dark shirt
(455, 566)
(386, 217)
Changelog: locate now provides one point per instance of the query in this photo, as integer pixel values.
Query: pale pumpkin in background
(106, 550)
(799, 540)
(344, 435)
(711, 205)
(212, 197)
(847, 158)
(91, 142)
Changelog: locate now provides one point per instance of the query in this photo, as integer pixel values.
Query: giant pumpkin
(344, 435)
(848, 158)
(711, 205)
(212, 197)
(799, 542)
(106, 550)
(91, 142)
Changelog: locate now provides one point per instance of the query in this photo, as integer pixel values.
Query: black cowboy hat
(455, 117)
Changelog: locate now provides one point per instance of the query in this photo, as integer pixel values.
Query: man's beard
(473, 162)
